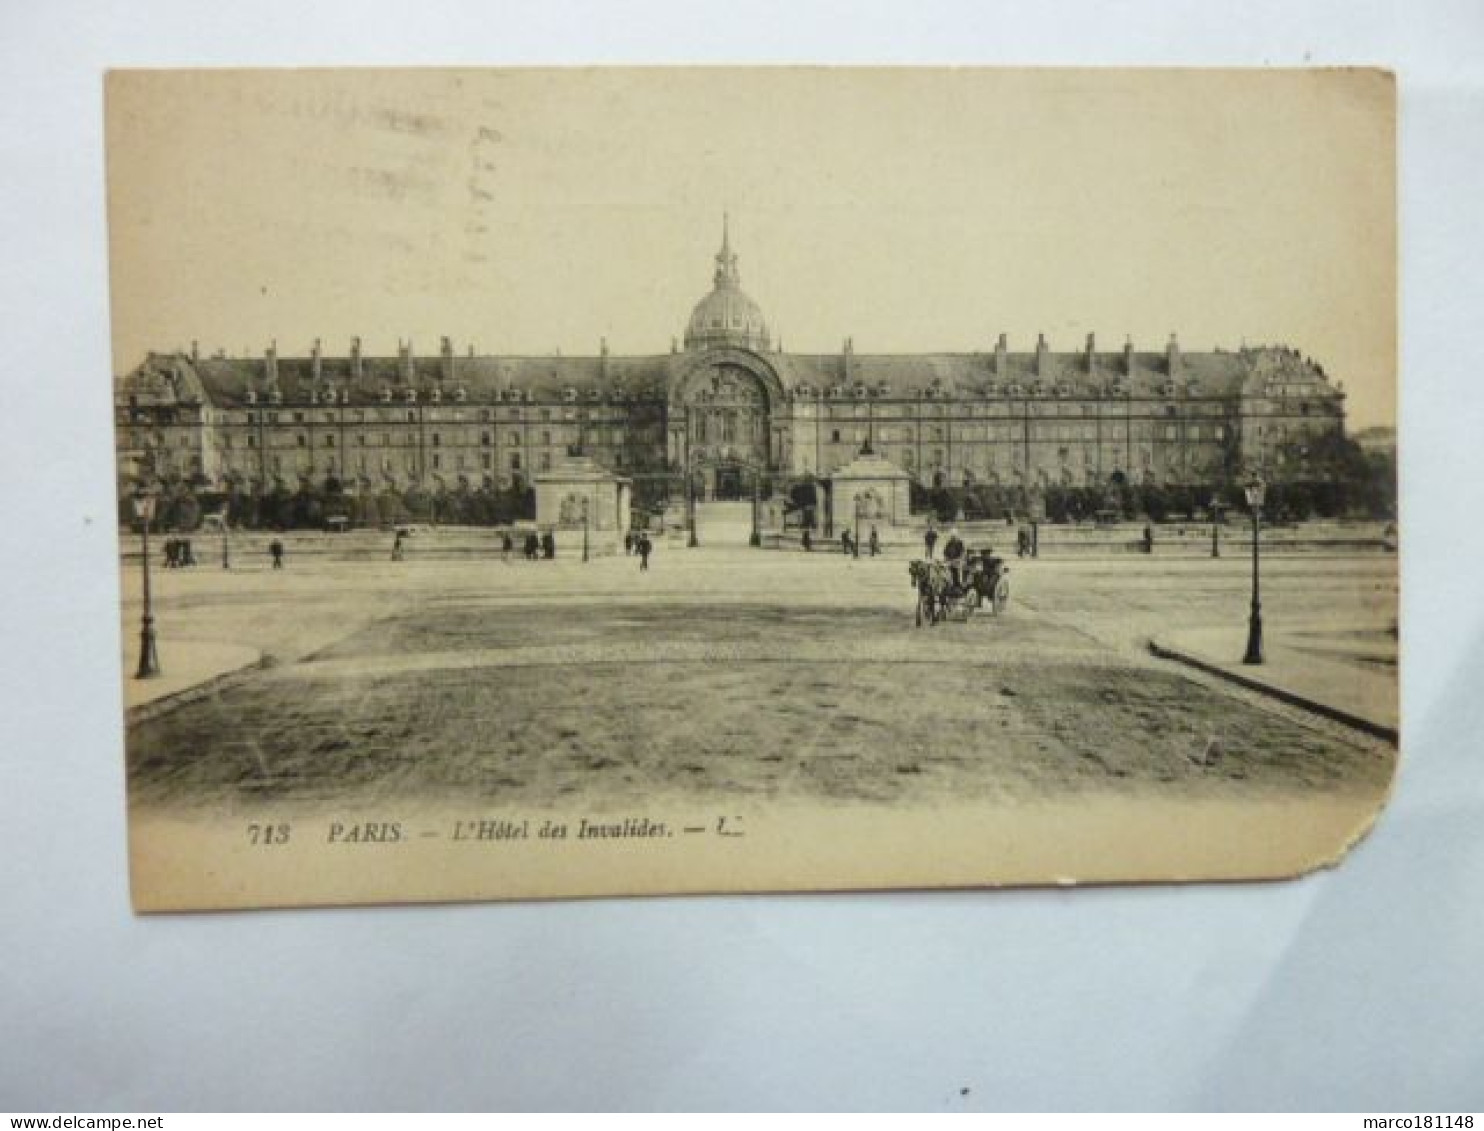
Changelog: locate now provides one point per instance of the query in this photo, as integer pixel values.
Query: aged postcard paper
(543, 483)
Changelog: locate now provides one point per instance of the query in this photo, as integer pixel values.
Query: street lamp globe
(1255, 489)
(144, 503)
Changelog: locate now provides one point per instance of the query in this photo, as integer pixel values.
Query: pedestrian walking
(275, 551)
(548, 546)
(806, 541)
(875, 542)
(845, 542)
(628, 543)
(645, 547)
(506, 545)
(929, 540)
(397, 541)
(187, 558)
(1148, 538)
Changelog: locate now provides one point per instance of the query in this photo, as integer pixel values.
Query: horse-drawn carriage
(984, 582)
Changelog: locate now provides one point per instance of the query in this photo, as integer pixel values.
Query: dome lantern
(726, 316)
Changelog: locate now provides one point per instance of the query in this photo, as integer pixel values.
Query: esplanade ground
(734, 673)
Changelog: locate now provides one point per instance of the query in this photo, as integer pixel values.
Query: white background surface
(1357, 989)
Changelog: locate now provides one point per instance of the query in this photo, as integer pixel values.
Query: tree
(1154, 501)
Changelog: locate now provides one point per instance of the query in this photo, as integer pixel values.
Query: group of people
(848, 546)
(847, 542)
(537, 547)
(957, 558)
(178, 553)
(638, 542)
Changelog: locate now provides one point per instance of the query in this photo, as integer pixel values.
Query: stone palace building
(725, 402)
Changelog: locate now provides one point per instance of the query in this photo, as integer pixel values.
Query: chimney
(603, 358)
(445, 349)
(1172, 356)
(1043, 354)
(1128, 356)
(404, 359)
(195, 350)
(356, 372)
(316, 369)
(847, 366)
(1091, 353)
(270, 363)
(1001, 363)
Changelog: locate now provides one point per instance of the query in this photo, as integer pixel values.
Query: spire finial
(726, 259)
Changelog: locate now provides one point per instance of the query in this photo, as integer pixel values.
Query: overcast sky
(531, 211)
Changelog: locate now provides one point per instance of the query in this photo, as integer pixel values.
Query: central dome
(726, 316)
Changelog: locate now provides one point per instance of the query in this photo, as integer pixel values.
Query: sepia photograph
(543, 483)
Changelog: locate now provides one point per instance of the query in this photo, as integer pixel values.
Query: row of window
(413, 416)
(409, 462)
(1038, 434)
(410, 440)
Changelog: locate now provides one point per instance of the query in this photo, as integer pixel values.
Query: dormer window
(437, 396)
(569, 394)
(594, 395)
(276, 397)
(252, 398)
(883, 389)
(860, 391)
(386, 396)
(410, 396)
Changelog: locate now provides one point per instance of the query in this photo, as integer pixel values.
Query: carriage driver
(953, 556)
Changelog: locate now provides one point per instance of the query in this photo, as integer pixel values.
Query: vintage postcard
(568, 482)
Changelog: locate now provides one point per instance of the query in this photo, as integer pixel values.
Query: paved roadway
(734, 672)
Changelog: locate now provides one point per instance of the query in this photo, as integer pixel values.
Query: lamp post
(855, 543)
(149, 658)
(690, 504)
(226, 551)
(1254, 491)
(585, 521)
(756, 538)
(1215, 537)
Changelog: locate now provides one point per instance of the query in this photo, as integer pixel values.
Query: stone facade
(728, 405)
(580, 495)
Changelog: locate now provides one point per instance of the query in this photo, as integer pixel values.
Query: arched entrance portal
(722, 407)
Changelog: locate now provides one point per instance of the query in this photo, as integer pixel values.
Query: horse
(933, 586)
(984, 583)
